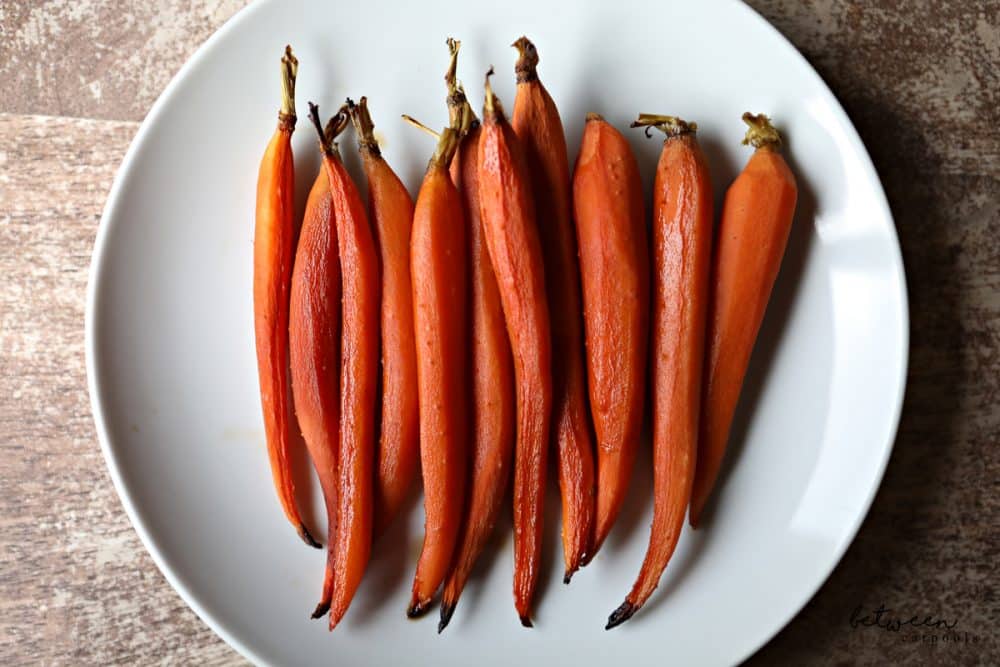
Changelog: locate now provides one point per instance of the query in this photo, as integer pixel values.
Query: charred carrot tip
(761, 134)
(446, 612)
(594, 117)
(307, 537)
(620, 615)
(568, 576)
(320, 610)
(417, 609)
(672, 126)
(526, 622)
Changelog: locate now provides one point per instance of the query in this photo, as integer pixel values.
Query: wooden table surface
(919, 79)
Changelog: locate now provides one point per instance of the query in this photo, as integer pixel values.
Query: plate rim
(98, 259)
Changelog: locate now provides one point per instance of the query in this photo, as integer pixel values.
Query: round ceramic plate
(171, 360)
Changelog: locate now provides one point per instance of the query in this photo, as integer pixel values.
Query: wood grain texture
(921, 82)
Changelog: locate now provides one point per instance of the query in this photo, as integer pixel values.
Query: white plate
(170, 350)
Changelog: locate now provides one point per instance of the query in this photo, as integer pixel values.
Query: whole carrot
(508, 217)
(614, 266)
(682, 244)
(438, 265)
(756, 220)
(539, 129)
(358, 379)
(492, 368)
(391, 212)
(273, 255)
(314, 345)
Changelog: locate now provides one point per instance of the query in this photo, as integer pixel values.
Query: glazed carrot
(614, 267)
(682, 244)
(437, 266)
(314, 346)
(273, 254)
(358, 379)
(391, 212)
(539, 129)
(492, 371)
(753, 231)
(508, 217)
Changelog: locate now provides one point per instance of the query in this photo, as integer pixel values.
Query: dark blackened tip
(446, 611)
(526, 622)
(620, 615)
(307, 537)
(321, 610)
(417, 609)
(567, 577)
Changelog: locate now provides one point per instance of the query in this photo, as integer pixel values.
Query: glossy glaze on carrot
(753, 232)
(391, 212)
(492, 369)
(508, 217)
(438, 273)
(358, 380)
(682, 243)
(614, 267)
(274, 251)
(314, 346)
(539, 129)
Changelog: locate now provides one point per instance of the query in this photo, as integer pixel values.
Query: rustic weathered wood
(919, 78)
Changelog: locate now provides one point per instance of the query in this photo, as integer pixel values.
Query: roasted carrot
(492, 368)
(438, 265)
(391, 211)
(539, 129)
(358, 380)
(753, 231)
(509, 227)
(682, 244)
(614, 266)
(314, 345)
(273, 256)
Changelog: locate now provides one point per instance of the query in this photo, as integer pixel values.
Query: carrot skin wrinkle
(358, 378)
(682, 230)
(493, 410)
(614, 267)
(539, 128)
(508, 216)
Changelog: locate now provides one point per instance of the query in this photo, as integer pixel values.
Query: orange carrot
(492, 368)
(274, 251)
(358, 379)
(314, 345)
(756, 220)
(614, 266)
(391, 211)
(682, 244)
(437, 265)
(539, 129)
(508, 217)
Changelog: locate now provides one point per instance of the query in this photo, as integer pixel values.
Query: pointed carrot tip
(417, 609)
(620, 615)
(320, 610)
(526, 621)
(307, 537)
(567, 577)
(447, 609)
